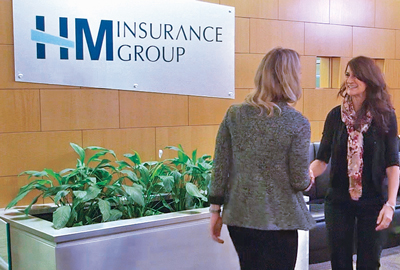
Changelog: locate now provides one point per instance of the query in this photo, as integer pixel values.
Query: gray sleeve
(222, 163)
(298, 158)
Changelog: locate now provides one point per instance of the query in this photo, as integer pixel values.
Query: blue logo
(81, 30)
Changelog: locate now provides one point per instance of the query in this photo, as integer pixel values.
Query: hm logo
(82, 29)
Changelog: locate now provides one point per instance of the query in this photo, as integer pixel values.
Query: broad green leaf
(39, 174)
(19, 197)
(88, 220)
(144, 173)
(166, 205)
(180, 147)
(134, 158)
(96, 156)
(79, 164)
(168, 182)
(173, 148)
(49, 193)
(72, 218)
(177, 177)
(79, 150)
(54, 175)
(26, 211)
(66, 171)
(61, 216)
(103, 174)
(35, 174)
(194, 155)
(131, 175)
(36, 184)
(205, 166)
(150, 163)
(183, 158)
(205, 157)
(92, 179)
(97, 148)
(92, 193)
(28, 173)
(72, 176)
(102, 183)
(52, 191)
(59, 195)
(105, 209)
(135, 192)
(102, 163)
(79, 194)
(122, 164)
(43, 182)
(115, 215)
(112, 153)
(194, 191)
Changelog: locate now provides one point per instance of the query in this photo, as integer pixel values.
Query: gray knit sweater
(261, 167)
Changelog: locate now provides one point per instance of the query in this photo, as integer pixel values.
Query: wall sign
(167, 46)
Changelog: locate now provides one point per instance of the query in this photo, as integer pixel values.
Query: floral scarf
(354, 146)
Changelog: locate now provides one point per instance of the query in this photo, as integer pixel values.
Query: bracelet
(391, 206)
(217, 211)
(310, 185)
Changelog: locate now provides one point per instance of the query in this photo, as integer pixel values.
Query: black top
(380, 152)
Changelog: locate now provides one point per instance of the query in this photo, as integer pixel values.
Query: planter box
(169, 241)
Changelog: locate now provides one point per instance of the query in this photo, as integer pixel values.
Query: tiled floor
(390, 260)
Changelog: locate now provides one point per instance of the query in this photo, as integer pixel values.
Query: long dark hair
(377, 100)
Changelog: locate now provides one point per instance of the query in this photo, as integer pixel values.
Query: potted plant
(98, 191)
(174, 184)
(135, 196)
(84, 195)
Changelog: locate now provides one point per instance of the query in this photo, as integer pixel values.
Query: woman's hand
(215, 227)
(385, 217)
(312, 180)
(386, 214)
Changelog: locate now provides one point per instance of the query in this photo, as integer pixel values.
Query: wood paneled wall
(38, 121)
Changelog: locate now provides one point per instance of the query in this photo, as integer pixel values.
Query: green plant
(173, 184)
(188, 180)
(149, 175)
(97, 191)
(86, 194)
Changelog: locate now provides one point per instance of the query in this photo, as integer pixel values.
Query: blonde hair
(277, 79)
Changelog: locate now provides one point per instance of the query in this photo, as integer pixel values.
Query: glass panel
(325, 72)
(323, 78)
(3, 245)
(318, 72)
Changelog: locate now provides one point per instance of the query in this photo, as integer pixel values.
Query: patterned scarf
(354, 146)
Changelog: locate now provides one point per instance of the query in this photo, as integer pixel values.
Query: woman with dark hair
(360, 139)
(261, 168)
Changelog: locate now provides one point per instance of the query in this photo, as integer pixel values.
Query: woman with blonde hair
(261, 168)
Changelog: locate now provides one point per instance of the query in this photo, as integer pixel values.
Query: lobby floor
(390, 260)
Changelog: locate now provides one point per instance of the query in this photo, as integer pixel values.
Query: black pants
(347, 221)
(265, 250)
